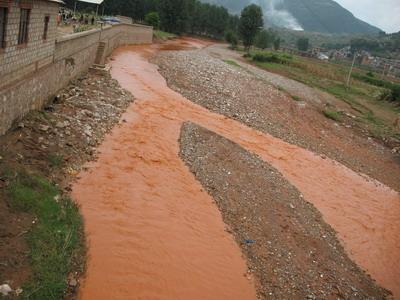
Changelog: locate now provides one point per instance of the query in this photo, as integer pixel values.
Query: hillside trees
(251, 22)
(231, 38)
(153, 19)
(174, 15)
(267, 38)
(303, 44)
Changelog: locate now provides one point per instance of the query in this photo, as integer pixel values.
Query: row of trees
(176, 16)
(195, 17)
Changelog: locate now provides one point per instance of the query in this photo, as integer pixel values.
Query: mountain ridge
(326, 16)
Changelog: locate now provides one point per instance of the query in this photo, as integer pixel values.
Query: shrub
(303, 44)
(153, 19)
(333, 115)
(392, 92)
(272, 58)
(231, 38)
(263, 39)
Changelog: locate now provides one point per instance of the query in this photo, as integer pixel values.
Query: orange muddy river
(154, 233)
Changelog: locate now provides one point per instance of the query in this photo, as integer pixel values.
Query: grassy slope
(56, 239)
(329, 77)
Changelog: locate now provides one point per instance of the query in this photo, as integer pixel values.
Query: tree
(251, 21)
(152, 19)
(263, 39)
(231, 38)
(277, 43)
(303, 44)
(174, 15)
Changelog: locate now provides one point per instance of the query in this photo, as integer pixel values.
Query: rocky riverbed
(245, 96)
(291, 251)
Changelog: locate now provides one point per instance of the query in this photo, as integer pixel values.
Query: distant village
(387, 67)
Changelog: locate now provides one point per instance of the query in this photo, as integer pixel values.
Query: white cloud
(384, 14)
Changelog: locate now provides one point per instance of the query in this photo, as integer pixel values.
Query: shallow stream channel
(153, 231)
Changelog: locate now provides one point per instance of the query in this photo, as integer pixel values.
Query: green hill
(325, 16)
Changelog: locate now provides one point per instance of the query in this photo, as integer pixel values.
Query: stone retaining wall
(73, 55)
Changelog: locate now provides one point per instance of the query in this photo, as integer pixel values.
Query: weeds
(232, 63)
(296, 98)
(163, 35)
(55, 237)
(56, 160)
(333, 115)
(272, 58)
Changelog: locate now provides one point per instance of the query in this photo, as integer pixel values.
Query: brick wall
(16, 60)
(72, 56)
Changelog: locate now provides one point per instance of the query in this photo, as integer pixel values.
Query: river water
(154, 233)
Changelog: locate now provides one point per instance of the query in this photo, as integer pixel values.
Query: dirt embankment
(53, 143)
(234, 92)
(292, 252)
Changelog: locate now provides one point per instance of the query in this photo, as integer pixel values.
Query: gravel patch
(243, 96)
(290, 250)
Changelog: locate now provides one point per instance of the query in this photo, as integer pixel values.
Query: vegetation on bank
(55, 241)
(162, 35)
(366, 92)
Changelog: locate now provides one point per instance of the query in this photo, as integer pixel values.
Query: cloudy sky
(384, 14)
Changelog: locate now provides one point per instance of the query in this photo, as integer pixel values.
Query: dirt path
(152, 229)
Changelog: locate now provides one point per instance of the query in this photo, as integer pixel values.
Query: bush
(263, 39)
(392, 92)
(272, 58)
(370, 74)
(333, 115)
(153, 19)
(232, 38)
(303, 44)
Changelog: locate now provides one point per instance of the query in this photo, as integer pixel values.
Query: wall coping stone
(77, 35)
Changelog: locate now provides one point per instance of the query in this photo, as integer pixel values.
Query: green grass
(163, 35)
(55, 238)
(56, 160)
(296, 98)
(232, 63)
(333, 115)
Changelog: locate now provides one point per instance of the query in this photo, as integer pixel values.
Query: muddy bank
(244, 96)
(290, 249)
(53, 143)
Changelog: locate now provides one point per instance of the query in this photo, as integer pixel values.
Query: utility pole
(351, 70)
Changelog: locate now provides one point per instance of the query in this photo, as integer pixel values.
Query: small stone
(18, 291)
(5, 289)
(73, 282)
(88, 132)
(44, 128)
(60, 125)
